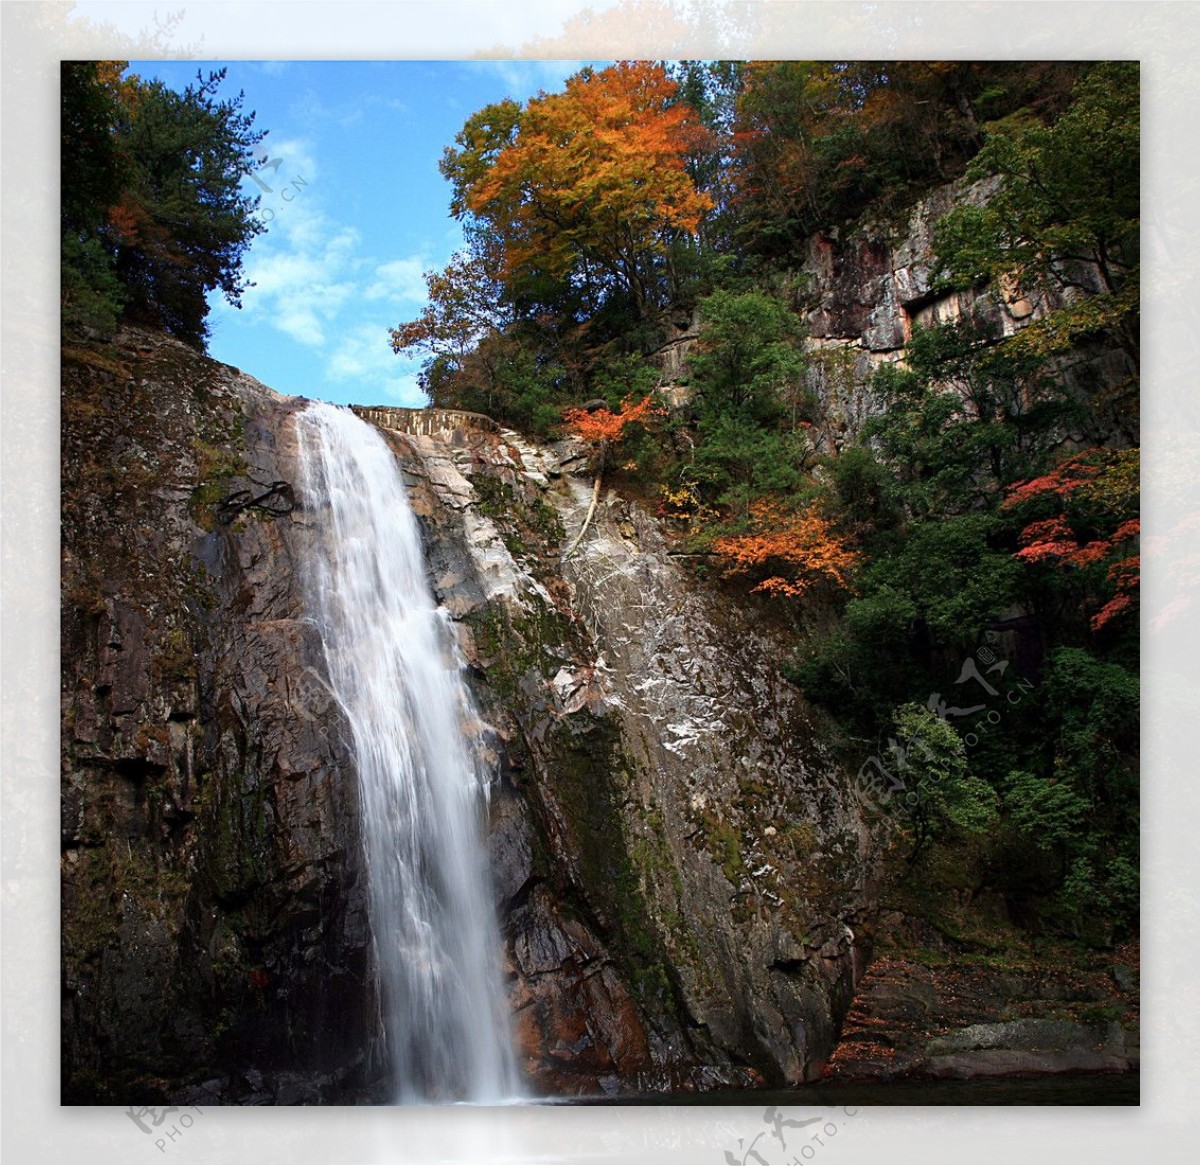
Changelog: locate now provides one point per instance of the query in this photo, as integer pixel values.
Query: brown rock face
(869, 289)
(213, 918)
(946, 1014)
(682, 868)
(576, 1023)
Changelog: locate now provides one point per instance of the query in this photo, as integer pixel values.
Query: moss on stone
(216, 467)
(512, 645)
(529, 527)
(803, 838)
(591, 776)
(723, 843)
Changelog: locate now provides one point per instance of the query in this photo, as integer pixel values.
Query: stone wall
(423, 422)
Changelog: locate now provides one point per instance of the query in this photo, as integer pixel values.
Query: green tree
(818, 143)
(863, 491)
(945, 797)
(1096, 706)
(188, 222)
(92, 178)
(152, 198)
(737, 462)
(749, 362)
(964, 416)
(1049, 813)
(1065, 216)
(711, 89)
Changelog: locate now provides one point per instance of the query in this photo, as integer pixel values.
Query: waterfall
(394, 670)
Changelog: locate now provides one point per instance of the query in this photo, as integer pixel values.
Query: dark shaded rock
(869, 288)
(911, 1000)
(951, 1017)
(213, 913)
(1005, 1062)
(574, 1020)
(1124, 977)
(511, 841)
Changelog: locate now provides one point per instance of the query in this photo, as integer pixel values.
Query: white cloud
(304, 279)
(361, 351)
(405, 391)
(313, 281)
(285, 168)
(523, 78)
(364, 356)
(400, 280)
(297, 157)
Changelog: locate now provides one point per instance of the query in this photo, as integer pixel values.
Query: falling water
(394, 671)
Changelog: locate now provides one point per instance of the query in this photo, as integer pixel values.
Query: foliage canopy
(153, 216)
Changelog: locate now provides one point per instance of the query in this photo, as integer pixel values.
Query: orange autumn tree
(591, 184)
(798, 549)
(603, 428)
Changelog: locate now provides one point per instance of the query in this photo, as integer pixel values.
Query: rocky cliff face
(213, 915)
(683, 879)
(679, 869)
(864, 291)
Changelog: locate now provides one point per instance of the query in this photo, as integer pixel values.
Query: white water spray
(394, 672)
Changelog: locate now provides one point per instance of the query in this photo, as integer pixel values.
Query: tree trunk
(592, 508)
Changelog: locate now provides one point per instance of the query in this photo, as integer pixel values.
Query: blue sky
(357, 210)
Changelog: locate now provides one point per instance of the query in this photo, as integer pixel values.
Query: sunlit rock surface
(687, 908)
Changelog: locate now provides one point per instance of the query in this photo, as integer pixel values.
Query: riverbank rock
(959, 1013)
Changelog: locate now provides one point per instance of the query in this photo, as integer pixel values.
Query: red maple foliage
(1101, 484)
(125, 219)
(1063, 481)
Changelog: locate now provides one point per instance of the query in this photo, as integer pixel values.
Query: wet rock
(511, 841)
(575, 1021)
(622, 686)
(1005, 1062)
(957, 1020)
